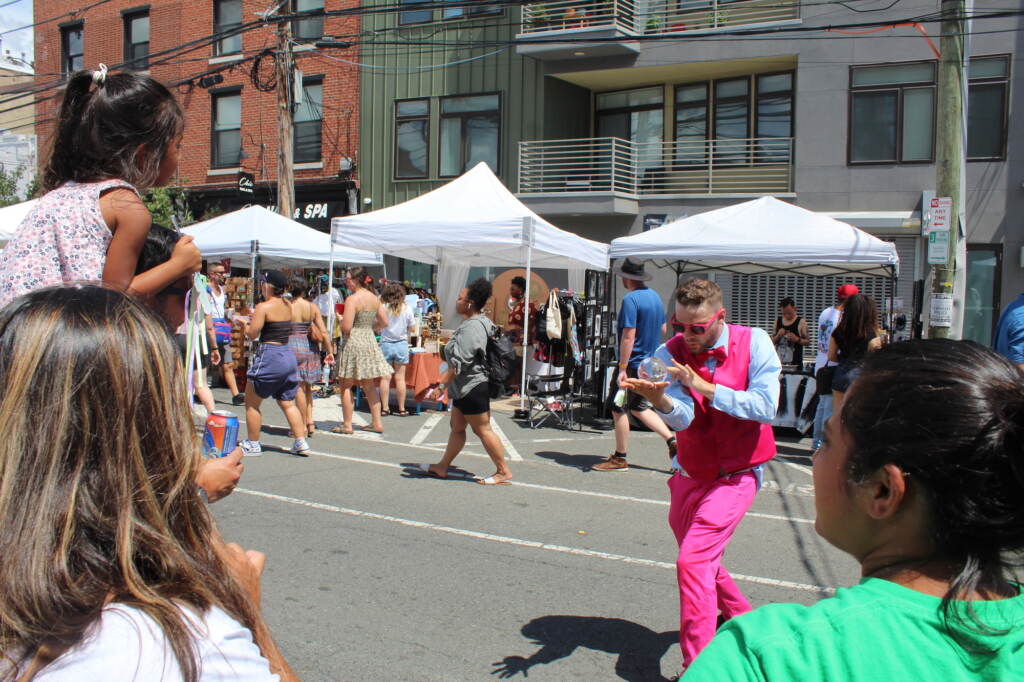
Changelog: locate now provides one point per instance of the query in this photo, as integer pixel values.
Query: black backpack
(500, 359)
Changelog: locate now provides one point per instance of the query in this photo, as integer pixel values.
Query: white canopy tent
(763, 236)
(471, 221)
(11, 217)
(279, 241)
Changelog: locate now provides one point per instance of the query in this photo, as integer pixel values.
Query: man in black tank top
(790, 334)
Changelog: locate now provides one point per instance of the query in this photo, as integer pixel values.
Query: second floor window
(136, 40)
(227, 130)
(227, 15)
(412, 138)
(470, 133)
(308, 121)
(986, 107)
(892, 113)
(72, 49)
(307, 30)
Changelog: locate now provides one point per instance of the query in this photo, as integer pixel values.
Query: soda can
(221, 434)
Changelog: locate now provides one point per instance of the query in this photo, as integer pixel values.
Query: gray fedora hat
(631, 268)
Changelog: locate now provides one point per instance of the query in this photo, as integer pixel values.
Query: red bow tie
(718, 354)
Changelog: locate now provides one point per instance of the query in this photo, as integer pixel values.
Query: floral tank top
(63, 239)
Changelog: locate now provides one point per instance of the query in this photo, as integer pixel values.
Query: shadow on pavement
(639, 649)
(587, 462)
(412, 470)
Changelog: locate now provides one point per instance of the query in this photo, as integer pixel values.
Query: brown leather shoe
(613, 463)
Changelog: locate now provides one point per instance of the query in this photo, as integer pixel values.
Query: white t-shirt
(127, 645)
(398, 325)
(217, 303)
(827, 322)
(327, 300)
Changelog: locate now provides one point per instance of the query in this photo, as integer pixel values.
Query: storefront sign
(938, 248)
(939, 216)
(940, 312)
(246, 184)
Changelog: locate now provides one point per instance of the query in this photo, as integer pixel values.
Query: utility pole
(949, 167)
(285, 123)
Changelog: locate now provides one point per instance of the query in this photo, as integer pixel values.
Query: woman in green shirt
(921, 479)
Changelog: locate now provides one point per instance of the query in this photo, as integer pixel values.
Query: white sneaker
(300, 447)
(251, 448)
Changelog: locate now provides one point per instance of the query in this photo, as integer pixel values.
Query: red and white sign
(941, 210)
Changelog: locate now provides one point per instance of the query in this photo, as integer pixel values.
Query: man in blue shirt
(1010, 333)
(641, 326)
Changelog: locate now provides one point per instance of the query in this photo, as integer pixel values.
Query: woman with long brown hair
(855, 336)
(307, 325)
(394, 344)
(361, 362)
(111, 565)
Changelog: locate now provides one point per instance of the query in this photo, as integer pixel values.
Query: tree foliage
(167, 205)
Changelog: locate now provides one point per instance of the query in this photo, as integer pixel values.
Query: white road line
(799, 467)
(570, 491)
(510, 449)
(533, 544)
(427, 427)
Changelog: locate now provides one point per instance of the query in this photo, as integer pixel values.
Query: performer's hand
(690, 379)
(651, 391)
(792, 337)
(623, 377)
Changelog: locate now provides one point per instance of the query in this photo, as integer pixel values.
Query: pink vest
(716, 443)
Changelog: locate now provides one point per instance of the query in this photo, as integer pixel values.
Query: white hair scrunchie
(100, 74)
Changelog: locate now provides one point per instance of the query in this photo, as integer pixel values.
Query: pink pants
(703, 516)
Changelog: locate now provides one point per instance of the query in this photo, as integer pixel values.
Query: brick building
(231, 123)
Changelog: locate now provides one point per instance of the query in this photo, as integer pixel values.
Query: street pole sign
(939, 216)
(938, 248)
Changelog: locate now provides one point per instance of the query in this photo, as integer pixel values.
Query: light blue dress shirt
(758, 403)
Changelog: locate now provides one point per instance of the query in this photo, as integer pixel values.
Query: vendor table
(796, 391)
(421, 373)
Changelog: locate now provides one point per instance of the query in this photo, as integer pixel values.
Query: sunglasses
(699, 328)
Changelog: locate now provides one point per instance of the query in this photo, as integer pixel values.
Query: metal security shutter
(753, 300)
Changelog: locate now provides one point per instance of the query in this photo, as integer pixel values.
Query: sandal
(386, 413)
(342, 429)
(310, 429)
(369, 429)
(402, 413)
(490, 480)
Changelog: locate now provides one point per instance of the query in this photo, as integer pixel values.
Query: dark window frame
(995, 80)
(309, 81)
(66, 58)
(709, 107)
(899, 89)
(131, 61)
(479, 8)
(218, 50)
(214, 148)
(462, 141)
(317, 14)
(404, 119)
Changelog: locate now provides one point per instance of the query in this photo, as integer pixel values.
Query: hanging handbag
(554, 316)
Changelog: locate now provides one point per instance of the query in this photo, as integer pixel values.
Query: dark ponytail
(102, 127)
(951, 415)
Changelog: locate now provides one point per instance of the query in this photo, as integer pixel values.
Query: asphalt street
(375, 573)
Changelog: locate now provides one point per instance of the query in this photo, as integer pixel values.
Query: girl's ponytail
(62, 158)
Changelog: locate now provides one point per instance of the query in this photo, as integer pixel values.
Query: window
(72, 48)
(227, 129)
(892, 113)
(470, 133)
(416, 16)
(725, 112)
(310, 29)
(412, 138)
(227, 15)
(634, 115)
(986, 107)
(136, 40)
(774, 115)
(308, 119)
(984, 275)
(475, 10)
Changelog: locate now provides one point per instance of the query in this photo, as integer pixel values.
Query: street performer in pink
(722, 397)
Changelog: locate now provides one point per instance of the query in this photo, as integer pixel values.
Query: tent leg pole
(526, 329)
(330, 287)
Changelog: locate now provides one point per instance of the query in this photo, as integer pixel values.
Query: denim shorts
(395, 351)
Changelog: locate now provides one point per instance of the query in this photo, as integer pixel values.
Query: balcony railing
(760, 165)
(654, 16)
(561, 15)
